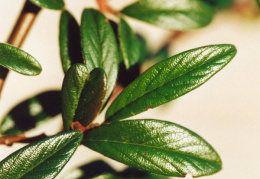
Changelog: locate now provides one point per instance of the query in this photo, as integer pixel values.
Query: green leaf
(170, 79)
(49, 4)
(31, 113)
(42, 159)
(82, 94)
(129, 44)
(99, 46)
(159, 147)
(70, 49)
(18, 60)
(219, 4)
(162, 54)
(144, 50)
(258, 1)
(171, 14)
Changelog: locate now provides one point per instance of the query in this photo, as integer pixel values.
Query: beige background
(225, 111)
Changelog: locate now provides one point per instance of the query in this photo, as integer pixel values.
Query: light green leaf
(70, 49)
(172, 14)
(99, 46)
(129, 44)
(170, 79)
(42, 159)
(159, 147)
(82, 94)
(31, 113)
(18, 60)
(49, 4)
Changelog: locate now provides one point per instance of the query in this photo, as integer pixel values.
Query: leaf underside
(170, 79)
(171, 14)
(18, 60)
(99, 46)
(42, 159)
(159, 147)
(49, 4)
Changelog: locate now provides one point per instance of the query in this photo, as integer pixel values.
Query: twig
(20, 31)
(9, 140)
(105, 8)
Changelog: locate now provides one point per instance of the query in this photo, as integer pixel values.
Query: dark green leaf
(219, 4)
(129, 44)
(31, 113)
(258, 1)
(82, 94)
(144, 50)
(50, 4)
(70, 49)
(99, 46)
(171, 14)
(73, 84)
(159, 147)
(42, 159)
(18, 60)
(170, 79)
(92, 96)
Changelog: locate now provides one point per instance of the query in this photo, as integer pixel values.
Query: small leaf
(172, 14)
(159, 147)
(49, 4)
(31, 113)
(18, 60)
(92, 97)
(99, 46)
(42, 159)
(170, 79)
(82, 94)
(70, 49)
(129, 44)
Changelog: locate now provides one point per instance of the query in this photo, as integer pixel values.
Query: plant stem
(104, 7)
(9, 140)
(19, 32)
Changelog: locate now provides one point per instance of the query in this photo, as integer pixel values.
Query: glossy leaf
(170, 79)
(172, 14)
(70, 49)
(18, 60)
(49, 4)
(159, 147)
(129, 44)
(82, 94)
(99, 46)
(42, 159)
(31, 113)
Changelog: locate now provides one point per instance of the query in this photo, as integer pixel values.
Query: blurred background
(224, 111)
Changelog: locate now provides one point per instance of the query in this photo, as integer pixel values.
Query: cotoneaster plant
(96, 56)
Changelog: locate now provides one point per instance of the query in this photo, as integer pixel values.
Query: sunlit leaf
(18, 60)
(157, 146)
(171, 14)
(42, 159)
(31, 113)
(170, 79)
(49, 4)
(99, 46)
(70, 49)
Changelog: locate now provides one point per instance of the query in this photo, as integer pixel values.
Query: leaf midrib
(153, 147)
(118, 111)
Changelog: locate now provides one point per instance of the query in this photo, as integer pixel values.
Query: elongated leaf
(70, 49)
(18, 60)
(144, 50)
(31, 113)
(156, 146)
(129, 44)
(171, 14)
(219, 4)
(42, 159)
(50, 4)
(99, 46)
(82, 94)
(92, 96)
(170, 79)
